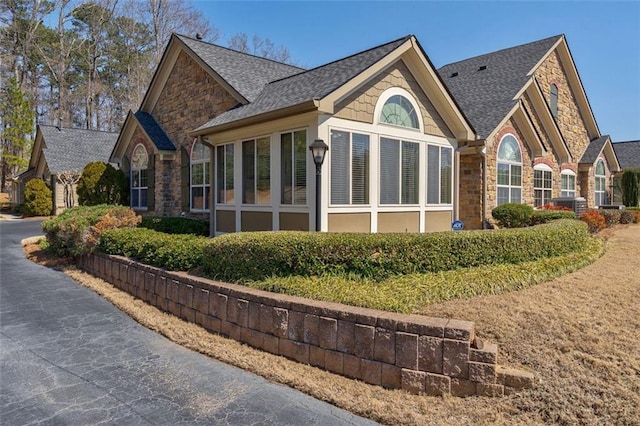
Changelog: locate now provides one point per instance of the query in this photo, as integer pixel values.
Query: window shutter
(185, 184)
(151, 180)
(339, 167)
(125, 166)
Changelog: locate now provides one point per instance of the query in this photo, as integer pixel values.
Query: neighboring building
(58, 150)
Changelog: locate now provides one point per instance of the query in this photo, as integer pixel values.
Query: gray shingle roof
(628, 153)
(155, 132)
(593, 150)
(72, 149)
(246, 73)
(486, 96)
(306, 86)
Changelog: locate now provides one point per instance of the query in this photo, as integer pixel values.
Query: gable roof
(595, 148)
(72, 149)
(154, 131)
(308, 86)
(628, 153)
(486, 86)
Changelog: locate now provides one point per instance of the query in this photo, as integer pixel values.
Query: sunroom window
(349, 168)
(256, 171)
(399, 111)
(200, 179)
(224, 174)
(439, 174)
(399, 171)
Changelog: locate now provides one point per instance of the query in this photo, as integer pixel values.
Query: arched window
(509, 171)
(542, 185)
(200, 177)
(600, 188)
(399, 111)
(568, 183)
(139, 177)
(553, 101)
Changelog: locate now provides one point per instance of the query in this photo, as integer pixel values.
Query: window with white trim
(224, 174)
(567, 183)
(139, 177)
(439, 174)
(600, 188)
(553, 100)
(200, 177)
(256, 171)
(399, 111)
(293, 153)
(399, 171)
(509, 171)
(349, 168)
(542, 185)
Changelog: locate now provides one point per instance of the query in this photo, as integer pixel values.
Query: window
(139, 177)
(349, 168)
(542, 185)
(399, 162)
(293, 150)
(553, 100)
(200, 179)
(601, 191)
(224, 174)
(399, 111)
(568, 184)
(256, 171)
(509, 171)
(439, 174)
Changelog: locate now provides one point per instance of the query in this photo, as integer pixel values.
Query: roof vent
(482, 68)
(455, 74)
(198, 36)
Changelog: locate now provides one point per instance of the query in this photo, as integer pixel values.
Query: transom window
(200, 177)
(553, 100)
(509, 171)
(399, 111)
(349, 168)
(139, 177)
(568, 184)
(399, 171)
(542, 185)
(293, 151)
(600, 188)
(224, 174)
(256, 171)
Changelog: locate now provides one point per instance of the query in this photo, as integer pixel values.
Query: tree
(631, 187)
(17, 128)
(68, 179)
(260, 47)
(101, 183)
(37, 198)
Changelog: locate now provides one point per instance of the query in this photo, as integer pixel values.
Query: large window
(439, 174)
(553, 101)
(200, 179)
(139, 177)
(399, 111)
(399, 176)
(224, 174)
(293, 150)
(601, 190)
(568, 184)
(542, 185)
(509, 171)
(349, 168)
(256, 171)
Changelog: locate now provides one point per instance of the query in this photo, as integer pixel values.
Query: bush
(594, 220)
(512, 215)
(627, 216)
(77, 231)
(37, 198)
(554, 207)
(101, 183)
(174, 252)
(543, 216)
(636, 212)
(631, 187)
(248, 256)
(611, 216)
(176, 225)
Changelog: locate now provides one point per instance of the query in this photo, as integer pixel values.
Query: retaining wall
(434, 356)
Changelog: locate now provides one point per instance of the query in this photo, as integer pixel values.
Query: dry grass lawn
(579, 333)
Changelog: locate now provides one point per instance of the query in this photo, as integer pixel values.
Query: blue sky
(604, 37)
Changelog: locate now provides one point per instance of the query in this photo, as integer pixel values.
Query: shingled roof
(72, 149)
(246, 73)
(154, 131)
(485, 86)
(593, 150)
(307, 86)
(628, 153)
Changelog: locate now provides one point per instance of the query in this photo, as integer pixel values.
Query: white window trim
(294, 206)
(138, 169)
(545, 168)
(206, 169)
(382, 100)
(420, 171)
(235, 172)
(328, 160)
(426, 166)
(568, 172)
(510, 163)
(604, 182)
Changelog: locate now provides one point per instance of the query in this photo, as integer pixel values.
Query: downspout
(483, 153)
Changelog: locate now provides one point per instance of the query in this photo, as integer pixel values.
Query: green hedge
(176, 225)
(544, 216)
(512, 215)
(248, 256)
(175, 252)
(37, 198)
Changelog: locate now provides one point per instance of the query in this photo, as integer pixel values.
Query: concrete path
(68, 357)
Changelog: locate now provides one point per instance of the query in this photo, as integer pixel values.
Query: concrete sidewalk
(69, 357)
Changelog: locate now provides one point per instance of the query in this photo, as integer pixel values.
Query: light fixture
(318, 151)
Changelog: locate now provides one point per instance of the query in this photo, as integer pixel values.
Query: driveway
(69, 357)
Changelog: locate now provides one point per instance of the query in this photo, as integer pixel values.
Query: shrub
(631, 187)
(611, 216)
(175, 252)
(101, 183)
(248, 256)
(512, 215)
(37, 198)
(636, 212)
(627, 216)
(594, 220)
(77, 231)
(543, 216)
(554, 207)
(176, 225)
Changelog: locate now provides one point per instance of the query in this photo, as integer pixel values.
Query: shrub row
(249, 256)
(515, 215)
(176, 225)
(544, 216)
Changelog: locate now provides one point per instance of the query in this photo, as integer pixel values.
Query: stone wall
(434, 356)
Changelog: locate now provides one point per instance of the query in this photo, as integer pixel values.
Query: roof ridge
(632, 141)
(76, 128)
(237, 51)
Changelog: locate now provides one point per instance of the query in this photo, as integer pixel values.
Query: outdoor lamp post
(318, 150)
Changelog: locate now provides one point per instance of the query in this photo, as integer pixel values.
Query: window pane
(197, 198)
(503, 174)
(516, 195)
(206, 168)
(546, 196)
(264, 171)
(360, 169)
(410, 176)
(446, 175)
(248, 172)
(143, 198)
(516, 178)
(399, 111)
(229, 192)
(220, 173)
(509, 150)
(537, 178)
(135, 199)
(389, 171)
(339, 167)
(135, 178)
(503, 195)
(433, 174)
(197, 174)
(547, 179)
(300, 165)
(207, 195)
(537, 198)
(286, 154)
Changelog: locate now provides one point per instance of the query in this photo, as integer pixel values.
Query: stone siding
(433, 356)
(470, 196)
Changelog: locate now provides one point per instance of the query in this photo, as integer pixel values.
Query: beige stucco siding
(256, 221)
(350, 222)
(437, 221)
(399, 222)
(294, 221)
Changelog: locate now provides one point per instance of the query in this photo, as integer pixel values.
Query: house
(226, 135)
(60, 150)
(537, 135)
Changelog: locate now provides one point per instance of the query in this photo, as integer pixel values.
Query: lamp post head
(318, 150)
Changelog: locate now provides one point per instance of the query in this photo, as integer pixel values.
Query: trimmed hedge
(249, 256)
(544, 216)
(37, 198)
(512, 215)
(176, 225)
(175, 252)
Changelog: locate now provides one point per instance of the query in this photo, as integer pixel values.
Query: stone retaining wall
(434, 356)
